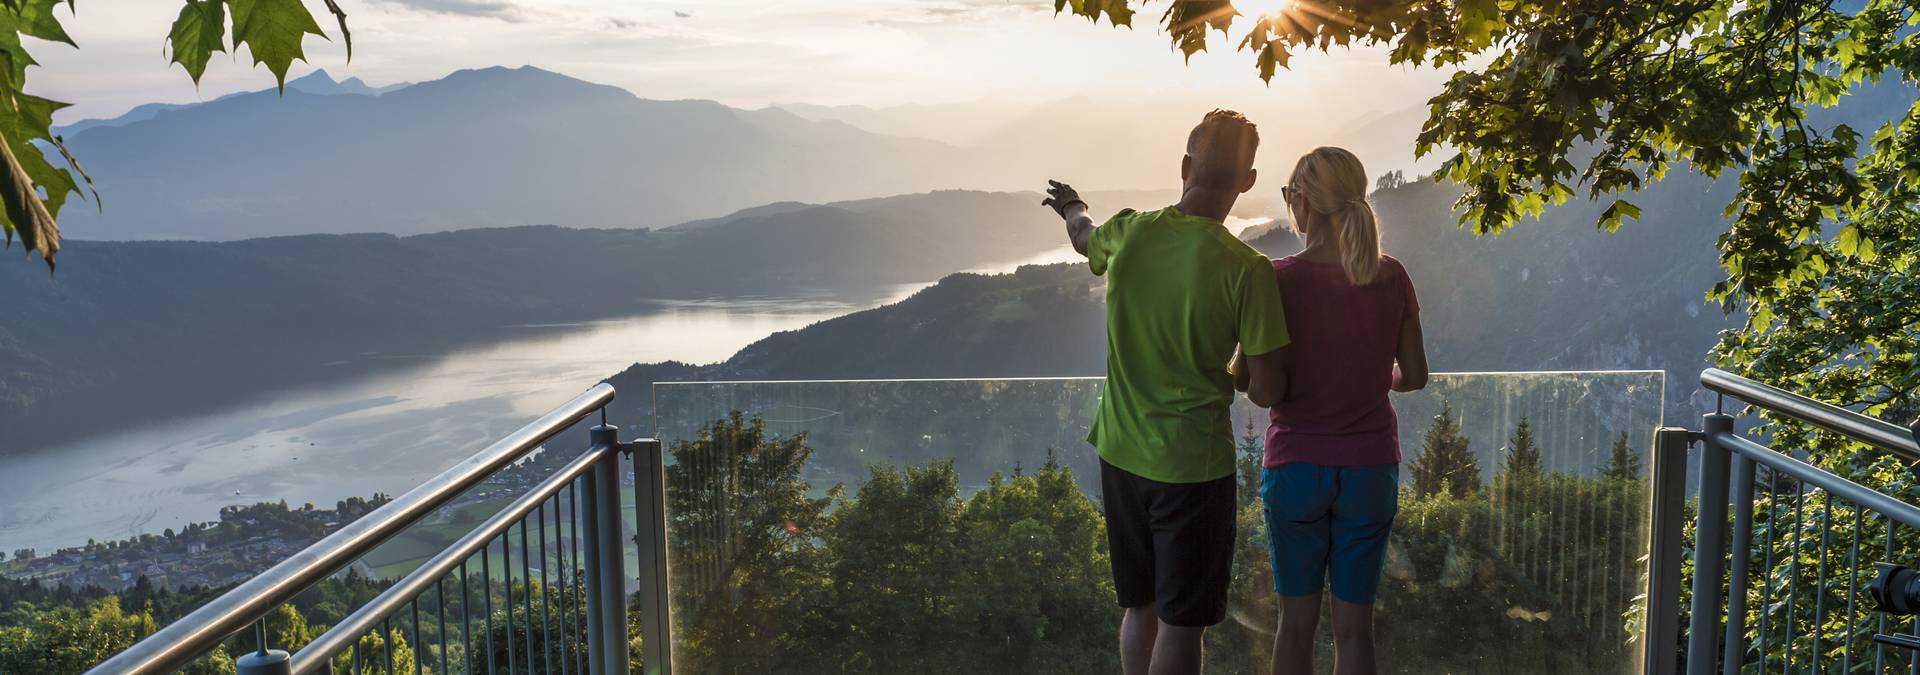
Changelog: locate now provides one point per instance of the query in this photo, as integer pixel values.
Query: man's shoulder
(1126, 215)
(1242, 253)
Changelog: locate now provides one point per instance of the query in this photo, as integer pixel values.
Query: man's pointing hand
(1062, 197)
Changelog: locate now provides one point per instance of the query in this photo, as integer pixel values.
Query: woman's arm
(1410, 363)
(1266, 380)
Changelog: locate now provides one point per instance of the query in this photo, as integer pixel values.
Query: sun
(1259, 8)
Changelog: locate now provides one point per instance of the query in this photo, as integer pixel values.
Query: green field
(413, 548)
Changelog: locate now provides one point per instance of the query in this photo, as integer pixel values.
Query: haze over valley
(501, 147)
(405, 280)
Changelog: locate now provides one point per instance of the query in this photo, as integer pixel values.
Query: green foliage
(902, 575)
(908, 574)
(71, 640)
(32, 189)
(551, 635)
(375, 653)
(745, 549)
(1552, 97)
(1557, 595)
(1446, 463)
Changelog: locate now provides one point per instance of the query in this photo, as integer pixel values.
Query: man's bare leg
(1293, 641)
(1352, 638)
(1139, 628)
(1178, 650)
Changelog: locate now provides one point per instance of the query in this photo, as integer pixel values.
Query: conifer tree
(1622, 463)
(1523, 454)
(1445, 462)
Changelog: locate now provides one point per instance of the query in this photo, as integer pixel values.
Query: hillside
(122, 325)
(1556, 294)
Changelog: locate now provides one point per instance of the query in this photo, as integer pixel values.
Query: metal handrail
(199, 632)
(1717, 633)
(1881, 434)
(316, 655)
(1879, 502)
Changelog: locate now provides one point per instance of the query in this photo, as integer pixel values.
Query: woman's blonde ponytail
(1335, 184)
(1359, 243)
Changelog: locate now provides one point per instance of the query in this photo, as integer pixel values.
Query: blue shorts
(1329, 521)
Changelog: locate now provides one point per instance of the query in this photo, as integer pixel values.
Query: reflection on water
(380, 433)
(384, 432)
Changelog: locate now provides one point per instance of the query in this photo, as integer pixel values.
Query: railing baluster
(386, 642)
(486, 595)
(1853, 586)
(526, 593)
(1742, 556)
(417, 644)
(506, 595)
(1913, 657)
(546, 613)
(560, 555)
(1766, 565)
(1880, 650)
(1793, 570)
(575, 524)
(466, 621)
(1820, 583)
(440, 599)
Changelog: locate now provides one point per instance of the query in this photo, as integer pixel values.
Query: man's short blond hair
(1222, 147)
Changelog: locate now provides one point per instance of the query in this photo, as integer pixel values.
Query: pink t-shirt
(1339, 365)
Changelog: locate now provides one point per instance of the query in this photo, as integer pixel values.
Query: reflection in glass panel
(954, 526)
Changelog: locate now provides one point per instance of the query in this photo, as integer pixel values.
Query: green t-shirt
(1181, 292)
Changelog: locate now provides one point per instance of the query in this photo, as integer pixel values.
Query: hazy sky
(741, 52)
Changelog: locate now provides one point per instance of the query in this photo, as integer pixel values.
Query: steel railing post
(1742, 556)
(1709, 549)
(1666, 540)
(650, 523)
(590, 567)
(263, 661)
(608, 559)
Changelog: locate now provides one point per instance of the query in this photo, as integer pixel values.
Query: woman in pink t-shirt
(1331, 483)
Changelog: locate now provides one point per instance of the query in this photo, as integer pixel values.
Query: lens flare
(1259, 8)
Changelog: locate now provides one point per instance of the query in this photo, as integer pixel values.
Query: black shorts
(1171, 544)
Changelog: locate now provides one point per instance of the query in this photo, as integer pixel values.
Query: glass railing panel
(954, 525)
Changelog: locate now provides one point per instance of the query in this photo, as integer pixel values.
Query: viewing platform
(900, 526)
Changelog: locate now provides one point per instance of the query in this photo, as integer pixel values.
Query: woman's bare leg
(1352, 638)
(1293, 641)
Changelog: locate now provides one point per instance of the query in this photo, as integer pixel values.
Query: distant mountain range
(479, 148)
(318, 83)
(502, 147)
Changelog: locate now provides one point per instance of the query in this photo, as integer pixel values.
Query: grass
(413, 548)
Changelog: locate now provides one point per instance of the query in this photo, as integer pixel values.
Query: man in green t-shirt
(1182, 291)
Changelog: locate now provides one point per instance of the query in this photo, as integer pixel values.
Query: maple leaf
(272, 30)
(197, 34)
(24, 210)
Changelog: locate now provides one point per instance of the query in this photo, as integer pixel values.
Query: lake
(384, 432)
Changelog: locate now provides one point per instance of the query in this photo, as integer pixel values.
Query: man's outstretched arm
(1066, 202)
